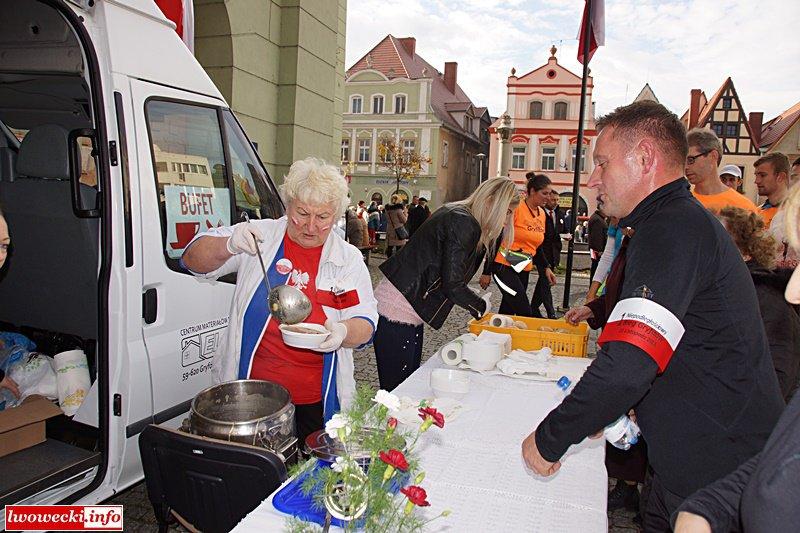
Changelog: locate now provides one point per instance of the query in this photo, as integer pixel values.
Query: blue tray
(291, 500)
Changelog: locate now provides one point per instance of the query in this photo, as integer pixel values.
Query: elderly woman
(299, 250)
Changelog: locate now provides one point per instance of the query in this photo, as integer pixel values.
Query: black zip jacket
(763, 494)
(717, 401)
(432, 270)
(781, 323)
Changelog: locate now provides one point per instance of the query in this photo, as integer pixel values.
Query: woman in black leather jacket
(429, 274)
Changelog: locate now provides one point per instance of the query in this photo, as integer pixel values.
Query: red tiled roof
(773, 130)
(391, 54)
(384, 58)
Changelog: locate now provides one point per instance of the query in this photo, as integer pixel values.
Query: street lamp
(504, 131)
(481, 156)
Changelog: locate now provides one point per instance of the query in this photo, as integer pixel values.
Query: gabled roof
(708, 109)
(773, 130)
(646, 94)
(390, 53)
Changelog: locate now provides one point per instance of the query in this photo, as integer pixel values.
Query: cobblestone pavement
(139, 513)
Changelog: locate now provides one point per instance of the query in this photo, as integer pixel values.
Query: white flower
(388, 400)
(339, 465)
(337, 422)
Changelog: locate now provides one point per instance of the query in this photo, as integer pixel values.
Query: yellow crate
(573, 344)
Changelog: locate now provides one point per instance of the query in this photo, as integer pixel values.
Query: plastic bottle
(622, 434)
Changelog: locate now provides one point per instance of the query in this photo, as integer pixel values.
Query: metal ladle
(288, 305)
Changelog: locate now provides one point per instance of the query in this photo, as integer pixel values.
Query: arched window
(560, 111)
(535, 110)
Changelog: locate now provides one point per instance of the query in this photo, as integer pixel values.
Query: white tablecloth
(474, 465)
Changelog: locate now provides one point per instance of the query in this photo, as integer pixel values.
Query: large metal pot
(250, 411)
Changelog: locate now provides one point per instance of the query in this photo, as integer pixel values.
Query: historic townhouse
(544, 107)
(394, 94)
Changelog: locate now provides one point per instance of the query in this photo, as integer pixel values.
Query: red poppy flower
(436, 416)
(395, 458)
(392, 422)
(416, 495)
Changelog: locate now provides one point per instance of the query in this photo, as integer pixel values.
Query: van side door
(184, 190)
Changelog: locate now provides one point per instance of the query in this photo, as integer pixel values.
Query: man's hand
(488, 299)
(243, 239)
(550, 277)
(11, 385)
(691, 523)
(335, 339)
(578, 314)
(534, 459)
(485, 280)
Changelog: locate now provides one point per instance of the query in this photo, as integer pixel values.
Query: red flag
(597, 31)
(181, 12)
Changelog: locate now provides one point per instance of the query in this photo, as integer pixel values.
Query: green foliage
(351, 486)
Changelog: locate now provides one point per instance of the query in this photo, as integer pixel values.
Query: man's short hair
(779, 162)
(796, 162)
(649, 119)
(423, 199)
(705, 140)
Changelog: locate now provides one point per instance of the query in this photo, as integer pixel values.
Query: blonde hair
(315, 182)
(791, 207)
(749, 234)
(489, 204)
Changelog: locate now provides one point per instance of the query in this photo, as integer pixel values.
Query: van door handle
(150, 305)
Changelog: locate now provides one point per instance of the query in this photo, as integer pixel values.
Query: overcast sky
(675, 45)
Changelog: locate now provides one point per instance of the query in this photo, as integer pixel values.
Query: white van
(115, 149)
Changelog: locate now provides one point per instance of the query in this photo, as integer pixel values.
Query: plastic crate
(572, 344)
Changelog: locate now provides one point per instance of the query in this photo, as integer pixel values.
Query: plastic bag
(13, 348)
(34, 374)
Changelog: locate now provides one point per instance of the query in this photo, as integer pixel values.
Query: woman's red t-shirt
(297, 369)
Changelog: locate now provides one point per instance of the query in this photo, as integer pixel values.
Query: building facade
(544, 107)
(280, 66)
(393, 94)
(724, 114)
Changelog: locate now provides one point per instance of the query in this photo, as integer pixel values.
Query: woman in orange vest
(512, 265)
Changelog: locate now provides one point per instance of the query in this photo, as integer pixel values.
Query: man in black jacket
(417, 215)
(683, 343)
(598, 234)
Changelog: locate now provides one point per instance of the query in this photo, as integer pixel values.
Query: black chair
(207, 484)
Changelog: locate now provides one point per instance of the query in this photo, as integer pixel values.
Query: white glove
(335, 339)
(245, 235)
(488, 299)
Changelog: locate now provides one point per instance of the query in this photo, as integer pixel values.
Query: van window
(187, 135)
(253, 189)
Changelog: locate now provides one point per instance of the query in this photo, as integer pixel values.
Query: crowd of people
(707, 375)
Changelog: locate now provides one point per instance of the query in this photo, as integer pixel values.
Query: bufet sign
(193, 210)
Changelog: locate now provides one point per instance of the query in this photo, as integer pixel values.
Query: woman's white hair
(313, 181)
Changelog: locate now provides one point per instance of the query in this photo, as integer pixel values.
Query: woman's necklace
(531, 210)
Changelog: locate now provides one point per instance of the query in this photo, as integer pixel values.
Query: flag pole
(576, 179)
